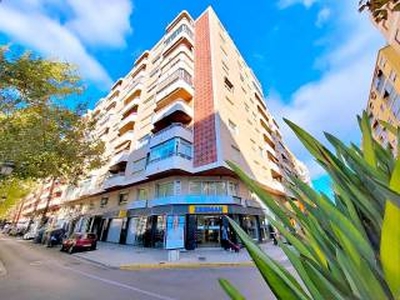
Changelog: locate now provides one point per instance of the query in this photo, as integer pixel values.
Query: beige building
(384, 100)
(189, 104)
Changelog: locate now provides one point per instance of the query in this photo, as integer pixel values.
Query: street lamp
(6, 168)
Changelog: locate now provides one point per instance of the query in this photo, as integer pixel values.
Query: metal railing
(178, 74)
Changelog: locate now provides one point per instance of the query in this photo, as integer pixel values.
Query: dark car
(80, 241)
(55, 237)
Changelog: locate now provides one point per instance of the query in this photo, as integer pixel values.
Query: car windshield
(76, 236)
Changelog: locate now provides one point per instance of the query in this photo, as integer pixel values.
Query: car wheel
(62, 248)
(71, 250)
(93, 247)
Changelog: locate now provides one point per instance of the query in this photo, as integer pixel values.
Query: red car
(79, 241)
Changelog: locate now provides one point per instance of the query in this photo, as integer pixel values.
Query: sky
(314, 58)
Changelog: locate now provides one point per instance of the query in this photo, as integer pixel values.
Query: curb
(166, 265)
(93, 261)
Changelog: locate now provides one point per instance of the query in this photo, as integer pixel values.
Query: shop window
(165, 189)
(143, 194)
(123, 198)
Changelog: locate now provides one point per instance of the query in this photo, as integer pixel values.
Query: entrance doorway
(208, 231)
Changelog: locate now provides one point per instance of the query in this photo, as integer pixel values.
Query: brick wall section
(205, 148)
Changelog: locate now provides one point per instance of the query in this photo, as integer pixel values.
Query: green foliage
(12, 190)
(42, 136)
(379, 9)
(348, 247)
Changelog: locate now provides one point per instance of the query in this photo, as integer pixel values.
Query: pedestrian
(272, 234)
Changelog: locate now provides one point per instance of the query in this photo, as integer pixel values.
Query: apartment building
(384, 99)
(189, 104)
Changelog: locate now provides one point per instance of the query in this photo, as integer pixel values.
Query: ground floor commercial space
(174, 226)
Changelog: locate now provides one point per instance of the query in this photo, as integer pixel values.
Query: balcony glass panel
(172, 147)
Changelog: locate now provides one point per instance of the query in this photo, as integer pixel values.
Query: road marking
(35, 263)
(115, 283)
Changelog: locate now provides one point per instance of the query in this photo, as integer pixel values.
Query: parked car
(79, 241)
(29, 235)
(39, 235)
(55, 237)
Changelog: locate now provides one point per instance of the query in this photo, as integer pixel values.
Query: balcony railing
(174, 125)
(178, 74)
(183, 28)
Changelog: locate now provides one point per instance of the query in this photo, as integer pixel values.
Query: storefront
(201, 224)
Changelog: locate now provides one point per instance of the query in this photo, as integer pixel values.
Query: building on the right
(384, 98)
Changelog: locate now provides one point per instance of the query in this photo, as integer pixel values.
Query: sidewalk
(134, 258)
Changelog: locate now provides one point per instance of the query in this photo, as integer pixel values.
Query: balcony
(134, 89)
(182, 34)
(174, 130)
(177, 112)
(174, 162)
(127, 124)
(123, 140)
(120, 157)
(117, 179)
(177, 86)
(130, 105)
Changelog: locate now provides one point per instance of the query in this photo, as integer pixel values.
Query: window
(224, 52)
(246, 107)
(165, 189)
(233, 188)
(143, 141)
(232, 127)
(225, 67)
(143, 194)
(123, 198)
(229, 100)
(195, 187)
(392, 75)
(236, 155)
(172, 147)
(207, 188)
(228, 84)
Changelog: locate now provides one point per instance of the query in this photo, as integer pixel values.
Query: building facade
(189, 104)
(384, 100)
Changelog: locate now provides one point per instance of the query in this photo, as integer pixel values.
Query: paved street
(36, 272)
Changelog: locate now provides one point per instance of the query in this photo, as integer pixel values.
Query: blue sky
(314, 58)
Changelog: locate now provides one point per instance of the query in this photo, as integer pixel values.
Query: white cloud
(101, 22)
(331, 103)
(323, 16)
(282, 4)
(51, 28)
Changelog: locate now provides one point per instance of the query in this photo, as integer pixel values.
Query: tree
(11, 191)
(347, 247)
(38, 132)
(379, 8)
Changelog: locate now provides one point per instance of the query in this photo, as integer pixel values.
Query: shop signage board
(122, 214)
(175, 232)
(208, 209)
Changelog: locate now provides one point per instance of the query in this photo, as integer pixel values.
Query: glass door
(208, 231)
